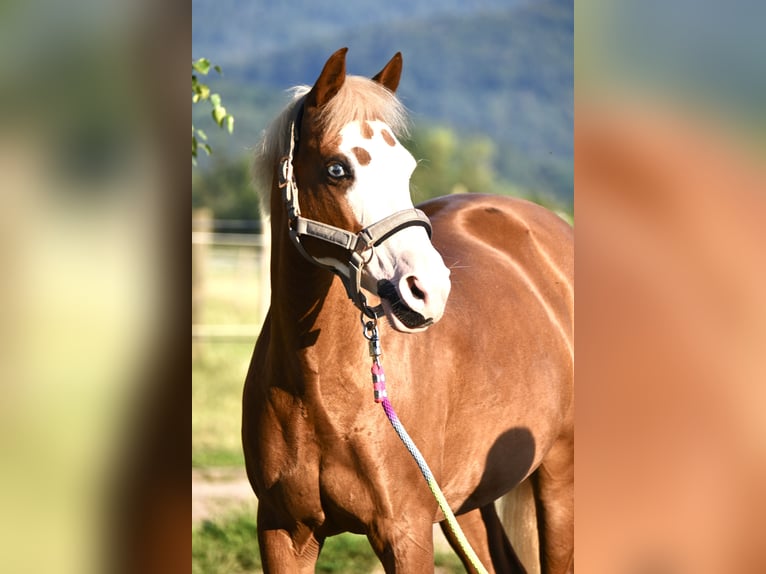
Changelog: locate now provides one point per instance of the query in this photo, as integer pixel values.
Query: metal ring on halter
(371, 249)
(369, 326)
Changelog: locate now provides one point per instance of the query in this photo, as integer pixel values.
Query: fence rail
(230, 280)
(226, 332)
(228, 239)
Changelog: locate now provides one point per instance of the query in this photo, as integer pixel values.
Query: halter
(358, 246)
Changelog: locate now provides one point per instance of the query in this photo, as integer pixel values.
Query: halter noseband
(356, 245)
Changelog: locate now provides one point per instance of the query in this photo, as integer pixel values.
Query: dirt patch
(217, 492)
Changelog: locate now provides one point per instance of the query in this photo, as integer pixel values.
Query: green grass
(230, 546)
(346, 553)
(232, 290)
(218, 373)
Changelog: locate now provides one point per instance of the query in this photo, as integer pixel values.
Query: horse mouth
(410, 318)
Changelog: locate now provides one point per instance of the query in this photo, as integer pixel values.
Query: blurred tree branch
(200, 93)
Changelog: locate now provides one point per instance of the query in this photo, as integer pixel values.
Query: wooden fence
(230, 278)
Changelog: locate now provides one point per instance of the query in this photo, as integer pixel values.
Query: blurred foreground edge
(671, 344)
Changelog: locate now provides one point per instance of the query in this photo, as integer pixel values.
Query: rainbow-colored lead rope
(381, 396)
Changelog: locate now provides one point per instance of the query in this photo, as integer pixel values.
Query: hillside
(233, 31)
(498, 69)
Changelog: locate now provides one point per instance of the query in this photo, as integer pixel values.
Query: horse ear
(329, 81)
(391, 72)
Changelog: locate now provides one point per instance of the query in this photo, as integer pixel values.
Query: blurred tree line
(447, 163)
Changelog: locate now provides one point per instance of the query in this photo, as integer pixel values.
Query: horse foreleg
(286, 550)
(554, 489)
(487, 537)
(405, 545)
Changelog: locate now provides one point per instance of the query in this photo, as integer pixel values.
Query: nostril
(412, 283)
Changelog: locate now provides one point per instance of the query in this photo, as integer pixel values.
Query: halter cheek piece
(356, 245)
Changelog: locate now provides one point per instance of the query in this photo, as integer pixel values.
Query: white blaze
(382, 187)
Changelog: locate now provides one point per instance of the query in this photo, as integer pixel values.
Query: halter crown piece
(356, 245)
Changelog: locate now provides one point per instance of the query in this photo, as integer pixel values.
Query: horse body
(486, 393)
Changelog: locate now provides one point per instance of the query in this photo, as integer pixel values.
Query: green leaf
(201, 91)
(202, 66)
(219, 114)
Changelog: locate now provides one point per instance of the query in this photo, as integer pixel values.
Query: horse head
(356, 215)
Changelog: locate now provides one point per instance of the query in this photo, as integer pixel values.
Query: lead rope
(381, 396)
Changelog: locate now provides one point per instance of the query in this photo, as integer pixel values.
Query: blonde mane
(359, 99)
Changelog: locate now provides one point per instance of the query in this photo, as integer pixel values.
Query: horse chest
(310, 469)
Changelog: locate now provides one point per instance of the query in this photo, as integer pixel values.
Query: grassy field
(232, 289)
(218, 371)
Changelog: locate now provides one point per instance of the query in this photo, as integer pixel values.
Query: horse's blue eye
(336, 170)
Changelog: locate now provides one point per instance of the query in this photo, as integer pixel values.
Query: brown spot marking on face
(388, 137)
(367, 131)
(362, 155)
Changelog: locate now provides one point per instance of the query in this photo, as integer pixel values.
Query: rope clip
(370, 332)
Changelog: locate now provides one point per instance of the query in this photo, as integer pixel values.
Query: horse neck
(310, 337)
(304, 302)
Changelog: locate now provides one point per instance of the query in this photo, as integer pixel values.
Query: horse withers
(477, 292)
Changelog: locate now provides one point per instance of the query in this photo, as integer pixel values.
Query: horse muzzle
(416, 297)
(393, 305)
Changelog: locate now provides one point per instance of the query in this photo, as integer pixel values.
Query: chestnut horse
(478, 345)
